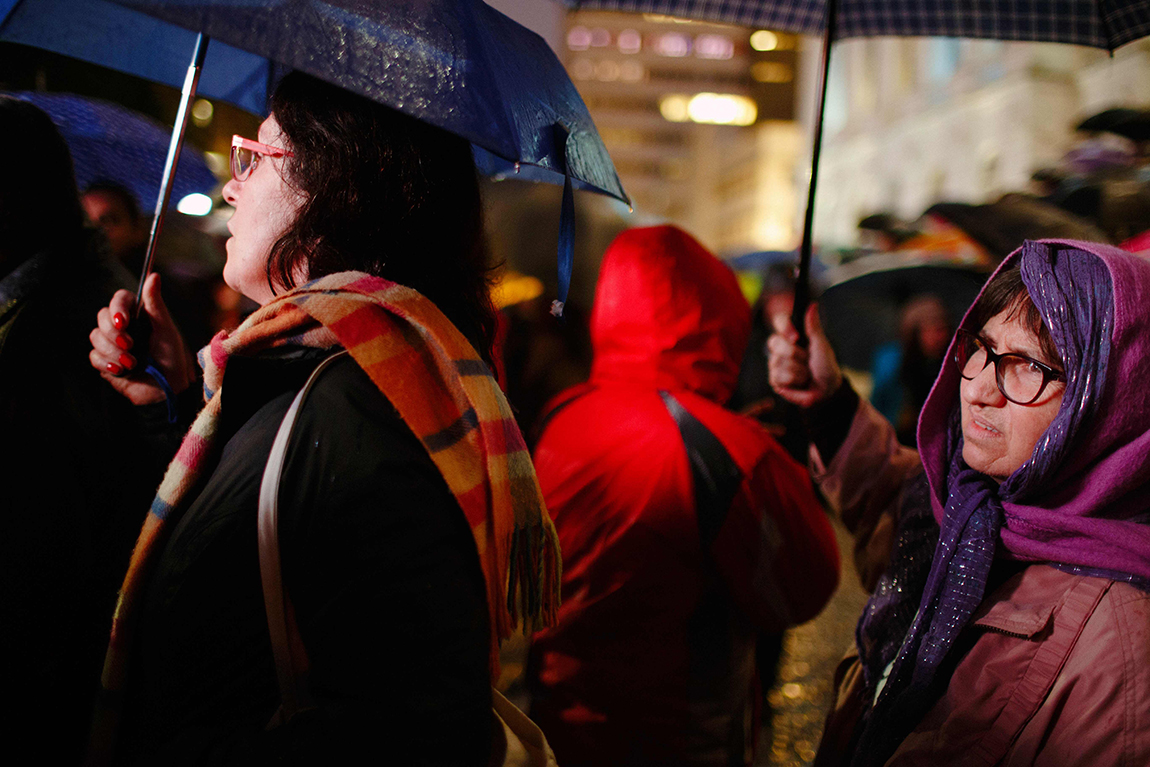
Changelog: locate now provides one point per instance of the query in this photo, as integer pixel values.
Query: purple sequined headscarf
(1081, 502)
(1083, 498)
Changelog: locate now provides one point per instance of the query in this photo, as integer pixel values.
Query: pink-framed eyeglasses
(246, 155)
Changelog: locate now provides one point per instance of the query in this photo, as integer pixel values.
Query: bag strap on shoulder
(520, 742)
(287, 647)
(716, 476)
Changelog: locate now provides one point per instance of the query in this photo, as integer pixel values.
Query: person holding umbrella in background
(1009, 556)
(407, 494)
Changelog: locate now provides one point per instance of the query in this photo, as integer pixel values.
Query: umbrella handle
(141, 332)
(191, 83)
(803, 280)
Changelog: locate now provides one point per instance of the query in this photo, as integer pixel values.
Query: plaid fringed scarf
(443, 391)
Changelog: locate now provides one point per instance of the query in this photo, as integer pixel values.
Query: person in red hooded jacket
(686, 529)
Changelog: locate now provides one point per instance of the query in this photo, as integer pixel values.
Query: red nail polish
(112, 368)
(119, 321)
(127, 361)
(122, 342)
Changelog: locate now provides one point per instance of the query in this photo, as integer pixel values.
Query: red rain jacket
(652, 659)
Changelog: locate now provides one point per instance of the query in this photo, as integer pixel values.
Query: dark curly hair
(387, 195)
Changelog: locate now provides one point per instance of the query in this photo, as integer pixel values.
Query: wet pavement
(802, 692)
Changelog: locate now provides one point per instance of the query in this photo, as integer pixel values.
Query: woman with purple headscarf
(1010, 557)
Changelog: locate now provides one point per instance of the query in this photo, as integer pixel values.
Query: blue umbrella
(457, 64)
(111, 143)
(762, 260)
(103, 33)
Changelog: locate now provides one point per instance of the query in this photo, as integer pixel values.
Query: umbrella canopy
(1098, 23)
(103, 33)
(1000, 227)
(457, 64)
(762, 260)
(1134, 124)
(111, 143)
(861, 309)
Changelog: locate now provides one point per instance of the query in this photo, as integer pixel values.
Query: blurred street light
(195, 205)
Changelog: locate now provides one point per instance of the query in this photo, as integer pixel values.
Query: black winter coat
(75, 483)
(378, 560)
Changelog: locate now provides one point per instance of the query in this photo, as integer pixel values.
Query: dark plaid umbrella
(1097, 23)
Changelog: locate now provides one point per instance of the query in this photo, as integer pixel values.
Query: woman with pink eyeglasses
(357, 229)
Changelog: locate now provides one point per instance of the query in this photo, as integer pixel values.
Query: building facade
(914, 121)
(698, 119)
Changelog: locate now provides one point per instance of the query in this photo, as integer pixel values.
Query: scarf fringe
(534, 576)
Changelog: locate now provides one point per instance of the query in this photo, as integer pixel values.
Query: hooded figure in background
(686, 529)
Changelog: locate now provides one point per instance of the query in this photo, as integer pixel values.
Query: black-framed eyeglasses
(1020, 378)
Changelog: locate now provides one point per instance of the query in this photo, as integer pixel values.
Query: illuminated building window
(771, 72)
(764, 40)
(714, 47)
(675, 108)
(600, 38)
(583, 69)
(631, 71)
(579, 38)
(629, 41)
(673, 44)
(722, 109)
(709, 109)
(944, 53)
(607, 71)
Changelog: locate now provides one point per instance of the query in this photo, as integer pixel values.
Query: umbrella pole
(191, 82)
(802, 282)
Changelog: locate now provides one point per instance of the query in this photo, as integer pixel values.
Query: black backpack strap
(545, 417)
(715, 475)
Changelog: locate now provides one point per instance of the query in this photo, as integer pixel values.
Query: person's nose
(983, 389)
(231, 191)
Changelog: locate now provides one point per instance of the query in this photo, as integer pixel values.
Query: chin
(977, 459)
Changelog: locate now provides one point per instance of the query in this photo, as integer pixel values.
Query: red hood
(668, 315)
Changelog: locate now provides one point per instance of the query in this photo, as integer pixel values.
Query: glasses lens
(241, 162)
(970, 355)
(1021, 378)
